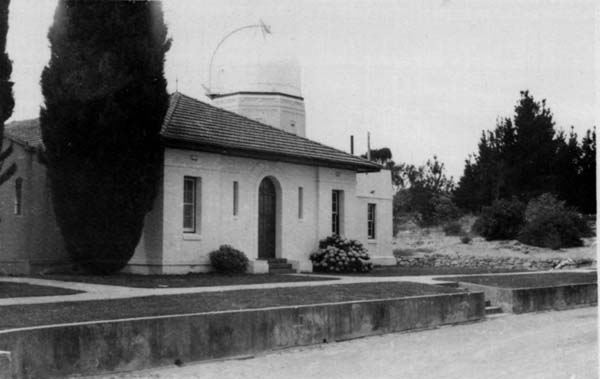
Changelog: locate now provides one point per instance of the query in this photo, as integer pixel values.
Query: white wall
(216, 224)
(30, 241)
(376, 188)
(275, 110)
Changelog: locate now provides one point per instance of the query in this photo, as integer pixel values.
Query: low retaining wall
(441, 260)
(522, 300)
(133, 344)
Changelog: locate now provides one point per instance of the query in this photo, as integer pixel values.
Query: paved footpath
(103, 292)
(547, 345)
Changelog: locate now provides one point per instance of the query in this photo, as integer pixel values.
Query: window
(235, 198)
(293, 124)
(336, 207)
(19, 196)
(371, 216)
(191, 191)
(300, 202)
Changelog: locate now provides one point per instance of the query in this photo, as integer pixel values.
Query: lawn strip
(180, 281)
(14, 316)
(11, 289)
(528, 280)
(418, 271)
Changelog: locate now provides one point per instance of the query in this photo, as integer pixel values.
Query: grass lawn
(529, 281)
(416, 271)
(9, 289)
(14, 316)
(180, 281)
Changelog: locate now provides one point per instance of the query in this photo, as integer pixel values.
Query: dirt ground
(416, 241)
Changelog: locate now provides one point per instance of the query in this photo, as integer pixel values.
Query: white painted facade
(29, 237)
(165, 248)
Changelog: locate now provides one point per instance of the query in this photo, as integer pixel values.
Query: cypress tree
(7, 102)
(105, 100)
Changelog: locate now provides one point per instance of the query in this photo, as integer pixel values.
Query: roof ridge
(278, 130)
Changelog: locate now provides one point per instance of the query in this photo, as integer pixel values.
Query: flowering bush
(337, 254)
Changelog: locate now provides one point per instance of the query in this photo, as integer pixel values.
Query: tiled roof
(193, 124)
(190, 123)
(25, 132)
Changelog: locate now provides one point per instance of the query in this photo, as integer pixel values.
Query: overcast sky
(425, 77)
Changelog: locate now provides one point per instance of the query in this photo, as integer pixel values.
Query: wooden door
(267, 206)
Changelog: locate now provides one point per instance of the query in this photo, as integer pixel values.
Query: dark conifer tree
(587, 176)
(7, 102)
(520, 158)
(534, 155)
(568, 167)
(105, 99)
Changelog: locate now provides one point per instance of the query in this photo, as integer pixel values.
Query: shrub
(466, 239)
(228, 260)
(561, 229)
(434, 209)
(544, 204)
(547, 206)
(502, 220)
(551, 224)
(453, 229)
(337, 254)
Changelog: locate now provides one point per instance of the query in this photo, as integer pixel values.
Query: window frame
(18, 200)
(300, 203)
(193, 228)
(336, 211)
(371, 221)
(236, 198)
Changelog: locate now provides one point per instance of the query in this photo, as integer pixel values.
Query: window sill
(192, 236)
(372, 241)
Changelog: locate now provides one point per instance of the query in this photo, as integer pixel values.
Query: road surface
(560, 344)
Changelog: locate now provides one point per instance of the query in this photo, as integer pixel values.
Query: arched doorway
(267, 219)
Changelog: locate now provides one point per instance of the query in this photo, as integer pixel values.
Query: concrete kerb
(132, 344)
(5, 365)
(534, 299)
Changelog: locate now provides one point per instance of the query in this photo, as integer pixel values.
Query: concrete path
(537, 345)
(104, 292)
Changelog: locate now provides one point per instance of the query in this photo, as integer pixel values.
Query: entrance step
(489, 310)
(282, 271)
(280, 266)
(277, 260)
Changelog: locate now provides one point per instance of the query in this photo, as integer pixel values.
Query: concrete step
(281, 271)
(489, 310)
(277, 260)
(280, 265)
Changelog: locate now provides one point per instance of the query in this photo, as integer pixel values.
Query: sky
(424, 77)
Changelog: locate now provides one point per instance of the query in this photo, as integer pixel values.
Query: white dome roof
(250, 61)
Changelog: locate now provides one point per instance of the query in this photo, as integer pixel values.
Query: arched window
(18, 196)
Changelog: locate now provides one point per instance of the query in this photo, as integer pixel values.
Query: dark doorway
(267, 208)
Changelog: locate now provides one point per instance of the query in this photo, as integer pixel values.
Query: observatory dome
(251, 61)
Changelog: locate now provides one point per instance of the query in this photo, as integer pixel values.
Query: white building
(244, 175)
